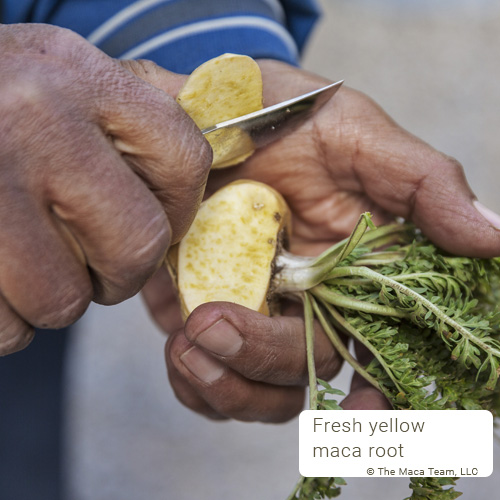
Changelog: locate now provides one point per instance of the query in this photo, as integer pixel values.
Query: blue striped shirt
(178, 34)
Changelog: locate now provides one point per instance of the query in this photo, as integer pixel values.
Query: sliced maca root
(221, 89)
(228, 253)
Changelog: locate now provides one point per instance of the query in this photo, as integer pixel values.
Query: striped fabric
(178, 34)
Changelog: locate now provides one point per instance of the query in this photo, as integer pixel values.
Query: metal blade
(239, 136)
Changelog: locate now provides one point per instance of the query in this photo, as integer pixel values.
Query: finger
(407, 177)
(184, 391)
(260, 348)
(159, 140)
(363, 354)
(162, 301)
(15, 333)
(229, 393)
(363, 396)
(118, 224)
(41, 277)
(431, 190)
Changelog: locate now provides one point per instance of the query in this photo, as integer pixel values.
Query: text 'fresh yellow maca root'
(228, 252)
(221, 89)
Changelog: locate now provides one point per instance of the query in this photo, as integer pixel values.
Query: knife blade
(239, 137)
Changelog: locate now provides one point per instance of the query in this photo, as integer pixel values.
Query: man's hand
(350, 158)
(99, 172)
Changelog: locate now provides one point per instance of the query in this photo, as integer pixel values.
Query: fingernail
(492, 217)
(202, 366)
(221, 338)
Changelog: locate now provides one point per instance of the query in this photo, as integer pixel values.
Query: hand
(350, 158)
(99, 173)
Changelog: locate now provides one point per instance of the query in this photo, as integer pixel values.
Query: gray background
(434, 66)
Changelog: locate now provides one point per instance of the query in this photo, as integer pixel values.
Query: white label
(387, 443)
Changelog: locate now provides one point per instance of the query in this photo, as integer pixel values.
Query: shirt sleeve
(182, 34)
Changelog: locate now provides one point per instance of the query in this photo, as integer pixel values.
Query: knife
(234, 140)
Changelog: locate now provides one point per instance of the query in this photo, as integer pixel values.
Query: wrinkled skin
(99, 172)
(349, 159)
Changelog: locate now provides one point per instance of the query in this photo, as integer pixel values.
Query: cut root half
(229, 251)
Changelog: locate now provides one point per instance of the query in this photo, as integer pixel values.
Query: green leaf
(430, 320)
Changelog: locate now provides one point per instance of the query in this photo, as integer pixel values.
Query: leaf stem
(340, 300)
(348, 328)
(380, 258)
(366, 272)
(295, 273)
(337, 253)
(311, 368)
(341, 347)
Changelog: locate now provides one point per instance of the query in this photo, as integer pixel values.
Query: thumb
(407, 177)
(444, 206)
(431, 190)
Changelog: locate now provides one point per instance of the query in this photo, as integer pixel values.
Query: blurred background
(434, 67)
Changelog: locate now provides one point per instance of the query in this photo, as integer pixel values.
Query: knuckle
(30, 113)
(19, 93)
(142, 68)
(23, 106)
(450, 167)
(454, 165)
(280, 353)
(267, 369)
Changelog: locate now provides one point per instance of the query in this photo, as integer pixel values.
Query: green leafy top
(429, 318)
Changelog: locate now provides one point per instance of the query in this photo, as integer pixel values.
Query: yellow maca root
(223, 88)
(228, 252)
